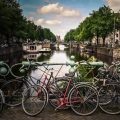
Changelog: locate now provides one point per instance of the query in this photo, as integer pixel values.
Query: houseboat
(36, 47)
(32, 47)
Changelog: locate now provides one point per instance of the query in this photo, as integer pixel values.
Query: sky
(62, 15)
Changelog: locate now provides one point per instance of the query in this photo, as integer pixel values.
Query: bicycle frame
(44, 84)
(65, 100)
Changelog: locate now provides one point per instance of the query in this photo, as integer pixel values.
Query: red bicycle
(82, 98)
(61, 94)
(36, 96)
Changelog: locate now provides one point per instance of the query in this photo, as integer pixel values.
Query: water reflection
(40, 57)
(61, 55)
(12, 58)
(79, 55)
(44, 57)
(56, 57)
(32, 56)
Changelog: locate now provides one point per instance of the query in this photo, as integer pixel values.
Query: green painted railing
(19, 69)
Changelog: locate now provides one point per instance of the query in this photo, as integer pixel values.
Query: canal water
(60, 55)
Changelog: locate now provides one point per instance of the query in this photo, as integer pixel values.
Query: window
(32, 47)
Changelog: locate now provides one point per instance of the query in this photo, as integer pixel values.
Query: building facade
(112, 40)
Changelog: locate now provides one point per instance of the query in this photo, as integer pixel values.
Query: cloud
(39, 21)
(53, 22)
(114, 4)
(70, 13)
(47, 22)
(50, 8)
(56, 8)
(30, 18)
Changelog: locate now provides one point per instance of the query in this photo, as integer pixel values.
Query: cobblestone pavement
(50, 114)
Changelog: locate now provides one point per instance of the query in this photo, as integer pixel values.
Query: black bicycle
(12, 88)
(109, 93)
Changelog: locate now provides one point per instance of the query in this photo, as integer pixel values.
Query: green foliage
(100, 23)
(70, 36)
(85, 73)
(49, 35)
(14, 24)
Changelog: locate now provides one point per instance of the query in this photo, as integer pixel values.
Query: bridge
(71, 44)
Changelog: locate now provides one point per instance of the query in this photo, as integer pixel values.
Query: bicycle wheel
(83, 99)
(13, 91)
(1, 101)
(34, 100)
(56, 93)
(109, 97)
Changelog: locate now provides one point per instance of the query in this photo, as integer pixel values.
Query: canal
(60, 55)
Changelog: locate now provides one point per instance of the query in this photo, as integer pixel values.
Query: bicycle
(109, 93)
(74, 96)
(4, 72)
(12, 88)
(65, 98)
(36, 94)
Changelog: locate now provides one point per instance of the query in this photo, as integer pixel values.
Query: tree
(102, 24)
(99, 24)
(49, 35)
(13, 24)
(70, 36)
(10, 16)
(40, 33)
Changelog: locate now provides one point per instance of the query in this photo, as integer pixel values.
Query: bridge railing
(19, 69)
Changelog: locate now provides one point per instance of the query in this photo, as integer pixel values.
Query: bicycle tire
(109, 97)
(83, 96)
(1, 101)
(13, 91)
(32, 101)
